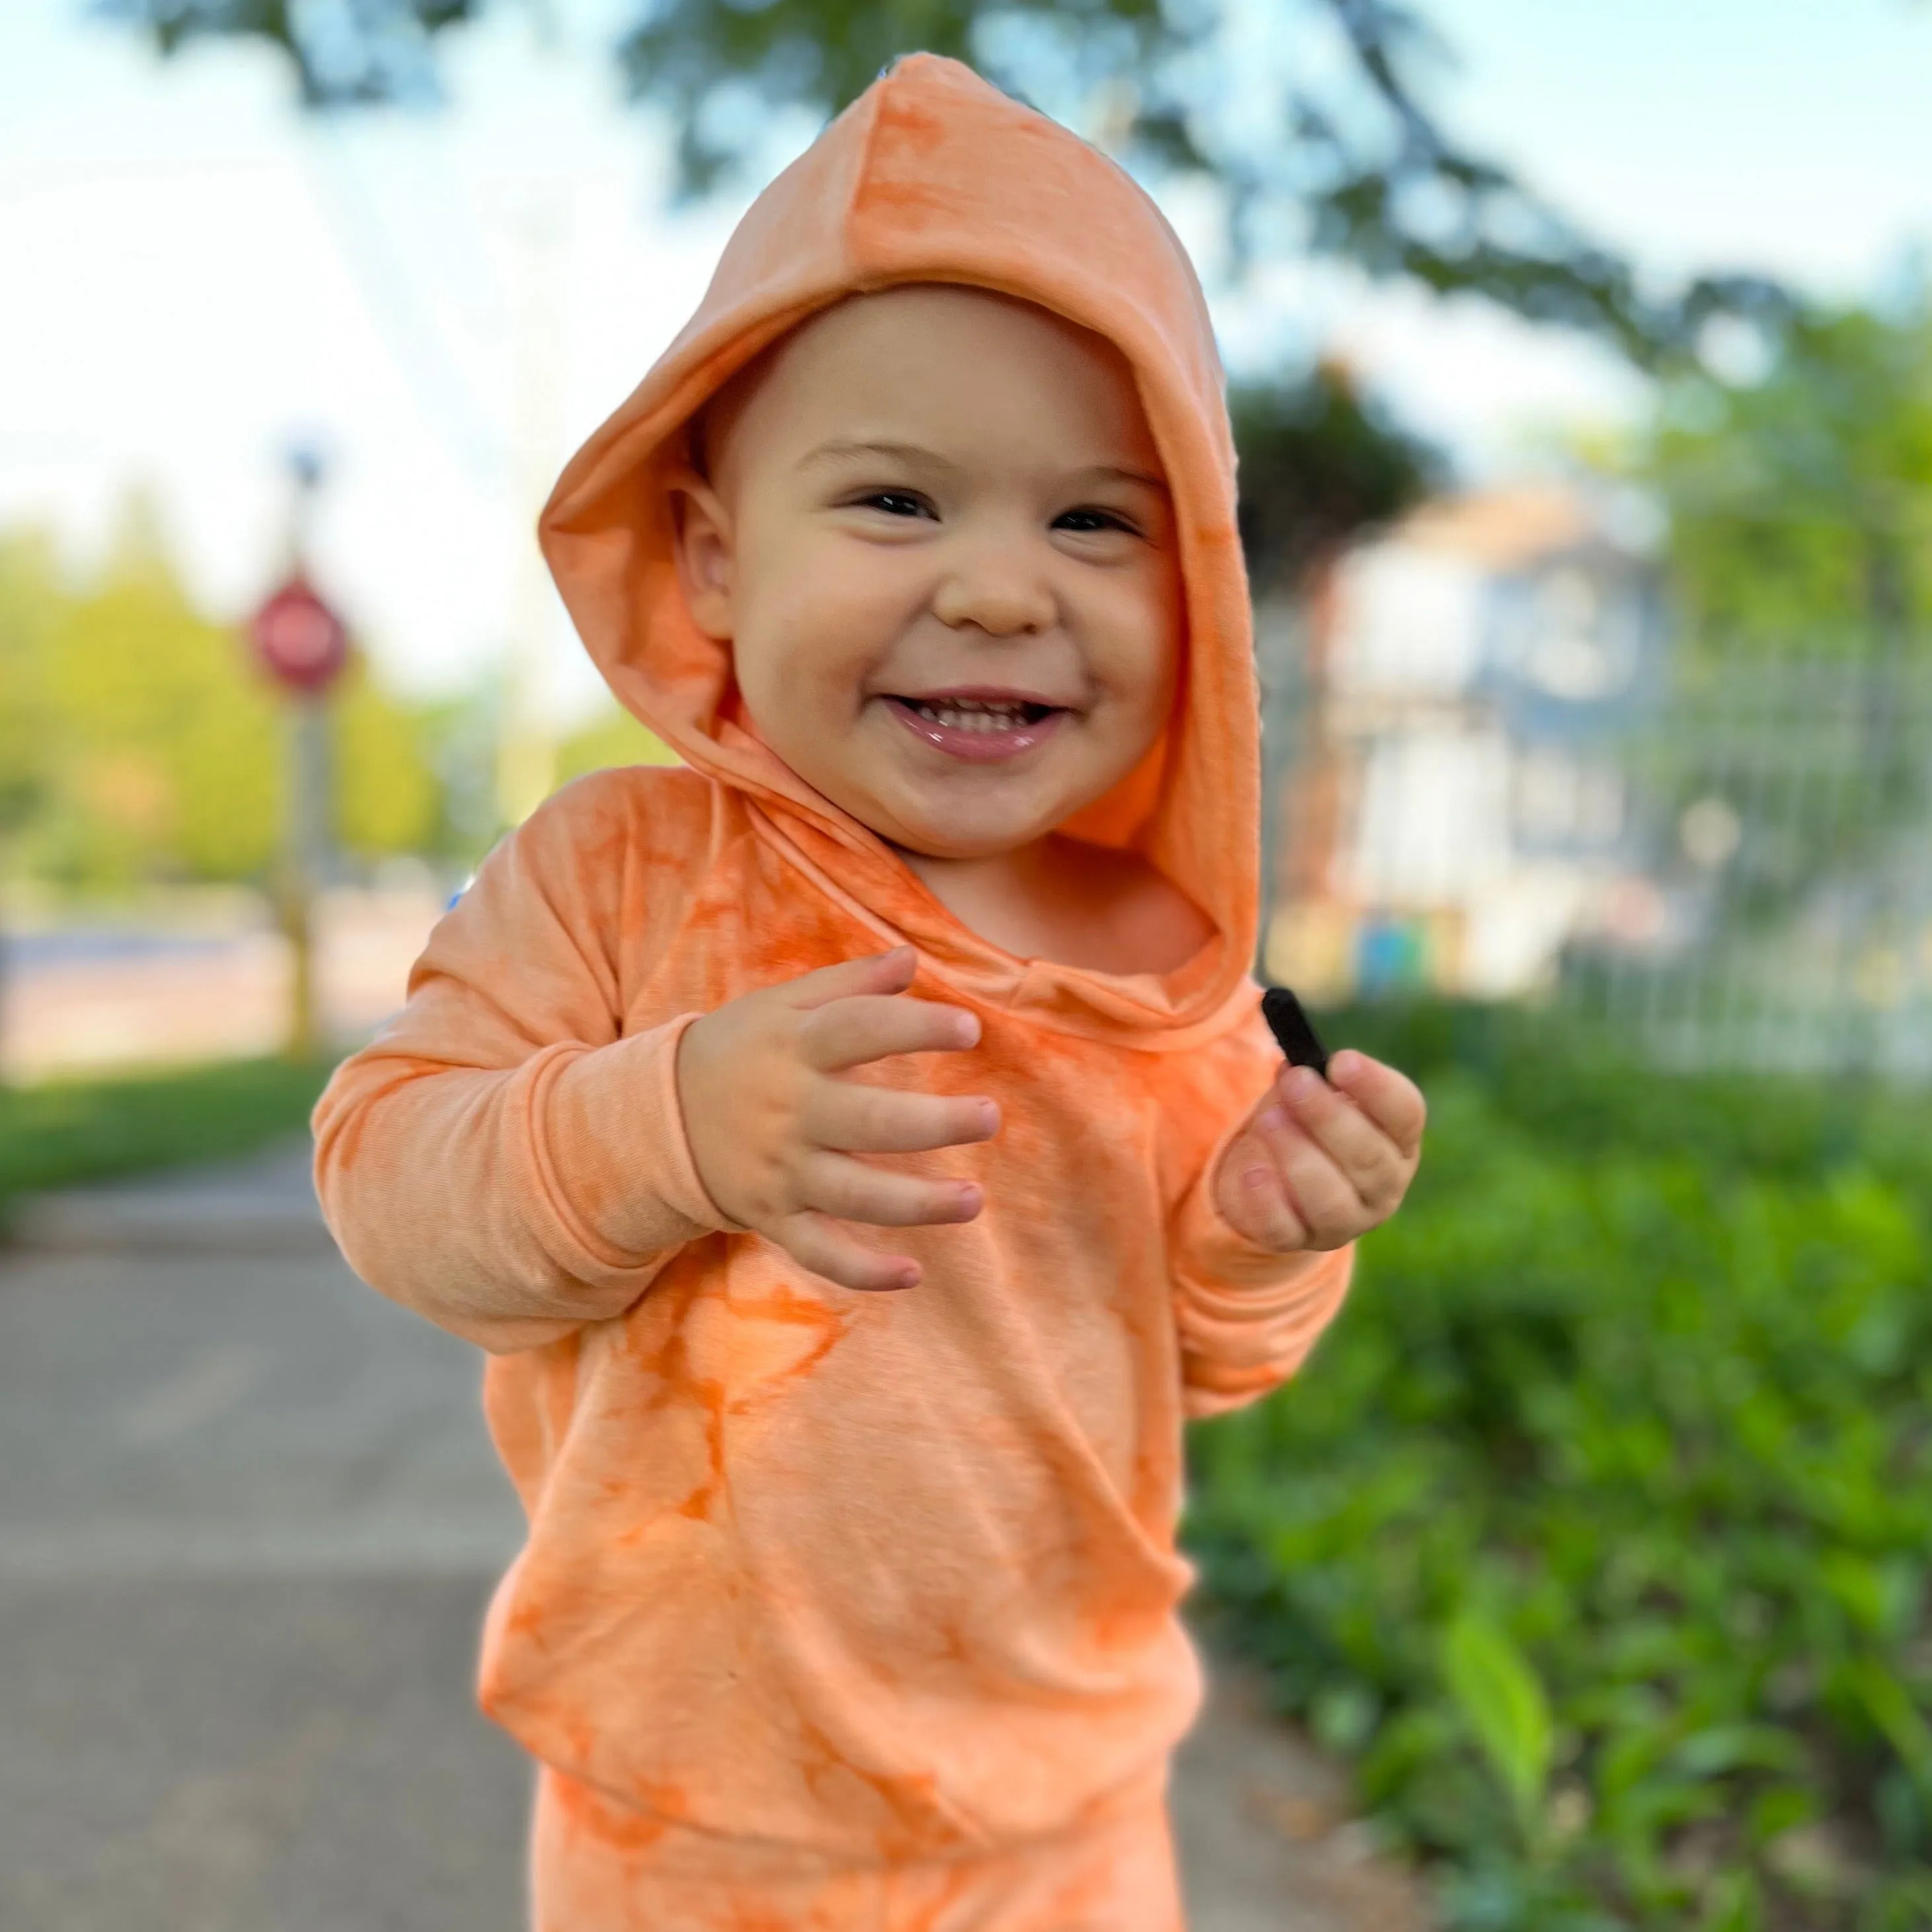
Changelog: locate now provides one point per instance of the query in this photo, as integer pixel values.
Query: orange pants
(594, 1869)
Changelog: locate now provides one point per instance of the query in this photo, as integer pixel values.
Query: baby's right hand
(775, 1130)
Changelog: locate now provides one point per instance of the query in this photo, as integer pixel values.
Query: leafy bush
(1597, 1531)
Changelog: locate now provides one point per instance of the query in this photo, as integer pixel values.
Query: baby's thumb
(879, 973)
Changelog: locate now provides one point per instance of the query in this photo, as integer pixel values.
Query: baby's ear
(701, 539)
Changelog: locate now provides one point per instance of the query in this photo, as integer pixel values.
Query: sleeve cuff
(612, 1152)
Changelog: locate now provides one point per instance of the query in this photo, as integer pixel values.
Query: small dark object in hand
(1290, 1026)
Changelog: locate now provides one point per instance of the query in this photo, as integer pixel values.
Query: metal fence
(1781, 811)
(1765, 901)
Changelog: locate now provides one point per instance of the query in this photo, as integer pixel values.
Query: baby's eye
(1083, 522)
(896, 503)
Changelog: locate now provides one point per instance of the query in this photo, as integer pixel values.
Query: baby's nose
(1004, 601)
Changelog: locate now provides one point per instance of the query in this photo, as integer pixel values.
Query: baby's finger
(1391, 1100)
(1317, 1189)
(835, 1184)
(889, 972)
(1374, 1165)
(851, 1118)
(852, 1031)
(827, 1249)
(1261, 1207)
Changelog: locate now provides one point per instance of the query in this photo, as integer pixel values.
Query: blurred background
(1581, 364)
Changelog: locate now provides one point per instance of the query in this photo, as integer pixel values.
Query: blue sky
(1791, 134)
(191, 276)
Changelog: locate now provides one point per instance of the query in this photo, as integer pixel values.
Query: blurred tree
(164, 750)
(612, 736)
(29, 589)
(137, 742)
(388, 799)
(1320, 464)
(1800, 495)
(460, 737)
(1315, 128)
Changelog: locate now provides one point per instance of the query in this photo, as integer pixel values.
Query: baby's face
(937, 536)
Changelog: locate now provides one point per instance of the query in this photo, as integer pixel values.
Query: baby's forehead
(851, 351)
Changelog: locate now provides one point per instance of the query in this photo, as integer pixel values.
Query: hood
(932, 175)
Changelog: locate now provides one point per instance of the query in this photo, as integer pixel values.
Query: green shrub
(1596, 1532)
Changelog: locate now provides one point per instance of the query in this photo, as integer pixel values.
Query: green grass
(63, 1132)
(1596, 1532)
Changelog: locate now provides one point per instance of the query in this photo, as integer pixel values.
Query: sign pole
(304, 835)
(303, 646)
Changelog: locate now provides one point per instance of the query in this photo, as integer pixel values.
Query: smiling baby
(859, 1149)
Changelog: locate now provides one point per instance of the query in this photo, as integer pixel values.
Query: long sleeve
(504, 1160)
(1247, 1318)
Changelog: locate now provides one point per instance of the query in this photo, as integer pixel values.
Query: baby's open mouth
(976, 714)
(979, 728)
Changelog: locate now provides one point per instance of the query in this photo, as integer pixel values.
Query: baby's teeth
(979, 717)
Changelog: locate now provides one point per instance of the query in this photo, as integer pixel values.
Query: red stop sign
(298, 638)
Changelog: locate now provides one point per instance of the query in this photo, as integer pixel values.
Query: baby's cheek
(799, 694)
(1152, 618)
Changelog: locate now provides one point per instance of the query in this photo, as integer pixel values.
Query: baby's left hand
(1322, 1161)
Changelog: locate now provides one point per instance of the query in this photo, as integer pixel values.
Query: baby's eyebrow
(1140, 476)
(839, 448)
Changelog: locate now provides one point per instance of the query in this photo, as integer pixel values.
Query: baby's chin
(943, 849)
(977, 816)
(943, 836)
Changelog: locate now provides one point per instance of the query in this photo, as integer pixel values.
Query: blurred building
(1448, 722)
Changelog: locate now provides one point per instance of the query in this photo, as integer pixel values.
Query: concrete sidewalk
(248, 1521)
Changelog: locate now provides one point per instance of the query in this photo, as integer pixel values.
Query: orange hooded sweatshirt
(817, 1581)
